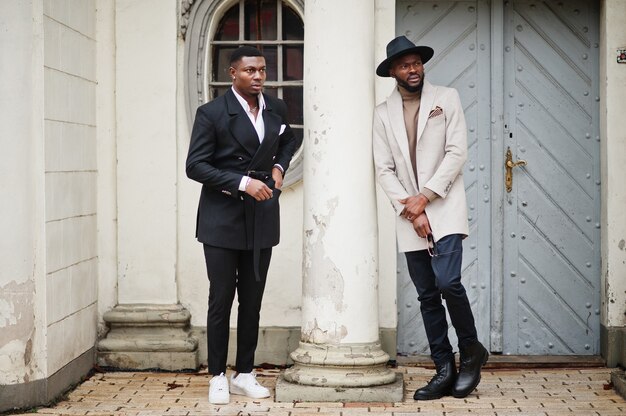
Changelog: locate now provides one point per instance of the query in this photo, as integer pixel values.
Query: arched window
(216, 28)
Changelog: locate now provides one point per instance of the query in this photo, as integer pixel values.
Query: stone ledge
(148, 315)
(618, 378)
(145, 337)
(290, 392)
(148, 360)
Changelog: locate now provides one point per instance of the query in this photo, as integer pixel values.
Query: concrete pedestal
(148, 336)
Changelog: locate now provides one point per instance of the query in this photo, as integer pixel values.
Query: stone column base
(147, 337)
(348, 365)
(388, 393)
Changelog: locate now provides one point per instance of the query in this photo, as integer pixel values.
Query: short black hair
(242, 51)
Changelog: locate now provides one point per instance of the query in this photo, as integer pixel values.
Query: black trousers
(230, 271)
(436, 277)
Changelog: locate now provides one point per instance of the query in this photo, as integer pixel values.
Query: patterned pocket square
(436, 112)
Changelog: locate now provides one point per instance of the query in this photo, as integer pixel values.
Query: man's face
(408, 71)
(249, 75)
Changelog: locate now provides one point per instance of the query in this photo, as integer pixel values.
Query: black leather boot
(441, 384)
(473, 357)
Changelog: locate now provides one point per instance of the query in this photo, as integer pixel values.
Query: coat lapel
(239, 124)
(396, 119)
(426, 104)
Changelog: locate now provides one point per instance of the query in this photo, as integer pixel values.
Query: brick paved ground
(528, 392)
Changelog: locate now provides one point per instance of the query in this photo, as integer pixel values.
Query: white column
(613, 150)
(146, 41)
(106, 159)
(387, 249)
(339, 339)
(148, 328)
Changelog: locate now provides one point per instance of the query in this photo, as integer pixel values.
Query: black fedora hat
(402, 46)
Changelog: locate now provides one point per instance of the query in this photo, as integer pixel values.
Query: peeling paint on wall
(16, 311)
(329, 282)
(17, 325)
(313, 334)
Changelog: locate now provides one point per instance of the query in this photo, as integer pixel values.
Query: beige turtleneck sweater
(410, 108)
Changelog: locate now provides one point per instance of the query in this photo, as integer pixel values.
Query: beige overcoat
(441, 153)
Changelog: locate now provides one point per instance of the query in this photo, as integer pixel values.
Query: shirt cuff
(429, 194)
(280, 168)
(244, 183)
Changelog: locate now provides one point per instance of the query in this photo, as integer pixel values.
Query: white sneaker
(245, 384)
(218, 390)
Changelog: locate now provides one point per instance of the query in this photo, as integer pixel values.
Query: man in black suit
(241, 146)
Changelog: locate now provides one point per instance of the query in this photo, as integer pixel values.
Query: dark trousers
(436, 277)
(230, 271)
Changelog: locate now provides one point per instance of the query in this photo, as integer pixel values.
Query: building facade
(98, 216)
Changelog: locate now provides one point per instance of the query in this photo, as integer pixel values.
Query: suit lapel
(426, 104)
(239, 124)
(272, 123)
(395, 113)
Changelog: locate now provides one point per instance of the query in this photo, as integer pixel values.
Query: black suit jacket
(224, 147)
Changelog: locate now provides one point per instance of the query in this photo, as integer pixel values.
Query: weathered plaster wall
(71, 171)
(613, 148)
(22, 227)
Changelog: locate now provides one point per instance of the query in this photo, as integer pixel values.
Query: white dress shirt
(259, 126)
(257, 123)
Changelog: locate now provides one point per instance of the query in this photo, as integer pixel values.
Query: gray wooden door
(527, 75)
(552, 214)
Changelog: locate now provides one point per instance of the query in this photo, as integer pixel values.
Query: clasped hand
(260, 191)
(413, 206)
(414, 211)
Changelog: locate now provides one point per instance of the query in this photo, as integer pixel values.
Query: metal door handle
(509, 165)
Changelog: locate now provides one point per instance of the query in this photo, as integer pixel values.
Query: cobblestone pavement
(528, 392)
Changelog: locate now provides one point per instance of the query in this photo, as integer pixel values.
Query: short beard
(406, 86)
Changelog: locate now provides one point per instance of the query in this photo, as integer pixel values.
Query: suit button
(241, 197)
(240, 158)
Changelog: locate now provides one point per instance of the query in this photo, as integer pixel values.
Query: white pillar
(613, 150)
(146, 150)
(107, 159)
(387, 248)
(148, 328)
(339, 339)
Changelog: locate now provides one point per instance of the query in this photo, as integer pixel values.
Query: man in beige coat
(419, 147)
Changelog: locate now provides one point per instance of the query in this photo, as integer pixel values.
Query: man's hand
(421, 225)
(258, 190)
(277, 175)
(413, 206)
